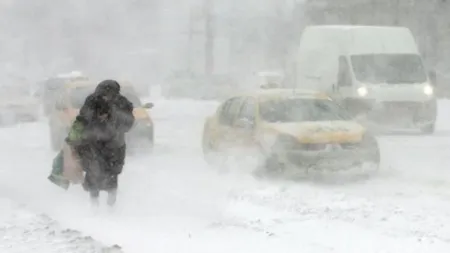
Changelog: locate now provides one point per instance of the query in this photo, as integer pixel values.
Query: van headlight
(362, 91)
(428, 90)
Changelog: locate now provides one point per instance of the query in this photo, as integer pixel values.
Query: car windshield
(300, 109)
(79, 95)
(388, 68)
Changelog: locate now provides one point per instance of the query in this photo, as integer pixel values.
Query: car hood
(320, 131)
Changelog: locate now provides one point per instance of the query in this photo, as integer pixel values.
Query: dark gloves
(117, 168)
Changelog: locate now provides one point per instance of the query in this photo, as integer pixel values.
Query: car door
(343, 87)
(224, 136)
(244, 125)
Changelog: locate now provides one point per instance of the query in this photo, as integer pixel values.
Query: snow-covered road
(172, 202)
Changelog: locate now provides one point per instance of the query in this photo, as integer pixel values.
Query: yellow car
(72, 99)
(49, 89)
(288, 128)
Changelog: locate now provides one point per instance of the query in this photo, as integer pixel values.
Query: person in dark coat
(98, 138)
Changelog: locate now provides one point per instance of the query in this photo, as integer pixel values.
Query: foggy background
(150, 41)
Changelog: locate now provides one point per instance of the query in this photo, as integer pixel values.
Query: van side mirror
(433, 77)
(148, 105)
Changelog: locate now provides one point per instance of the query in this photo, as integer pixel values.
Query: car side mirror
(433, 78)
(148, 105)
(245, 123)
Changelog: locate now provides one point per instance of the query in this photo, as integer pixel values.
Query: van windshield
(389, 68)
(300, 109)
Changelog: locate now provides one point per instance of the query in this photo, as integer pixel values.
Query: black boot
(94, 194)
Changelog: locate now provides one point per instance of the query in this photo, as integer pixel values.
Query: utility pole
(209, 39)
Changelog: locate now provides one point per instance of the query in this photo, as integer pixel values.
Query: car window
(248, 109)
(301, 110)
(229, 111)
(223, 113)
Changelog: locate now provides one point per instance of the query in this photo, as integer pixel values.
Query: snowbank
(24, 231)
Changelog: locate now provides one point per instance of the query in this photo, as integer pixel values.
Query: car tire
(374, 161)
(270, 166)
(212, 157)
(428, 129)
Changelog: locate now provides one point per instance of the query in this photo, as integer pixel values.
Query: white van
(373, 71)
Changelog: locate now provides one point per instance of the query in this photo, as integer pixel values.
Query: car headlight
(428, 90)
(362, 91)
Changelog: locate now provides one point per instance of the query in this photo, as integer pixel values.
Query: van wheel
(428, 129)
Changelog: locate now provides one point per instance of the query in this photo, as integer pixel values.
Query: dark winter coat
(98, 135)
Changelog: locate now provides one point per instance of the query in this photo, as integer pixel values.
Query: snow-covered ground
(172, 201)
(25, 231)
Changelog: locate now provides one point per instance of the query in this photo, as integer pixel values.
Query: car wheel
(371, 166)
(269, 167)
(428, 129)
(213, 158)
